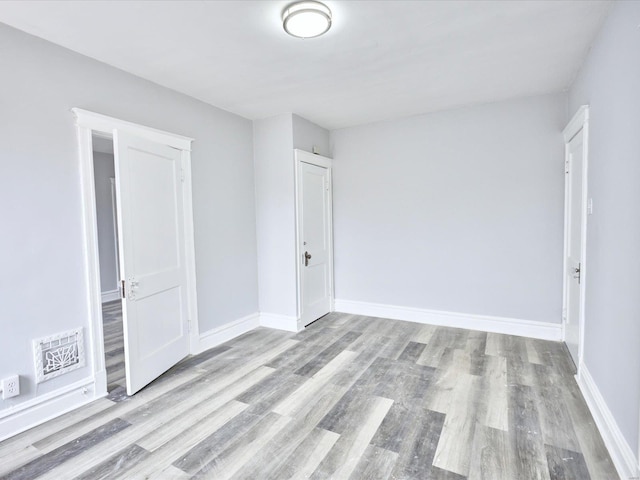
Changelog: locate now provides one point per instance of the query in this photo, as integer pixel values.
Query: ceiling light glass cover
(306, 19)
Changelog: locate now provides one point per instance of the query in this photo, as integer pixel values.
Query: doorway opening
(139, 250)
(108, 256)
(314, 236)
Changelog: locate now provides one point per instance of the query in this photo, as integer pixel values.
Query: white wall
(103, 172)
(273, 166)
(610, 83)
(43, 288)
(307, 134)
(274, 140)
(459, 211)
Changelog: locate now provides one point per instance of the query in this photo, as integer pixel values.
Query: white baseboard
(216, 336)
(621, 453)
(281, 322)
(110, 296)
(509, 326)
(33, 412)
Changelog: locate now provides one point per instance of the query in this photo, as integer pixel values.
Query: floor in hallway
(113, 344)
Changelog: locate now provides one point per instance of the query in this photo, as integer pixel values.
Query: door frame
(90, 123)
(580, 121)
(301, 156)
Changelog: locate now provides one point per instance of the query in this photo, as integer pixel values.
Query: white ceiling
(380, 60)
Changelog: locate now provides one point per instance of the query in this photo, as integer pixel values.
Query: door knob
(307, 257)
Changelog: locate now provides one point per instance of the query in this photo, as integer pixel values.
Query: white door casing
(576, 155)
(314, 236)
(152, 257)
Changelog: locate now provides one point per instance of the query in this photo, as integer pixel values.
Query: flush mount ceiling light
(306, 19)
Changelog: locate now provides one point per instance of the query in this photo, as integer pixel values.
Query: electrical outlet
(10, 387)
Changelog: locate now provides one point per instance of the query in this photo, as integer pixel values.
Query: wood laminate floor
(350, 397)
(113, 344)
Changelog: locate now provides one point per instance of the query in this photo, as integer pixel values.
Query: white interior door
(314, 203)
(152, 257)
(573, 262)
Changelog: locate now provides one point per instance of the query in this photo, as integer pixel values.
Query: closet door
(152, 257)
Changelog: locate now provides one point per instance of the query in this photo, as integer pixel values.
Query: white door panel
(314, 223)
(574, 244)
(152, 259)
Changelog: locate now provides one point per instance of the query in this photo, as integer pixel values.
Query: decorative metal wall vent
(58, 354)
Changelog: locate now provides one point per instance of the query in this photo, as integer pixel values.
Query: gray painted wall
(275, 214)
(307, 134)
(610, 83)
(459, 211)
(103, 172)
(274, 140)
(43, 288)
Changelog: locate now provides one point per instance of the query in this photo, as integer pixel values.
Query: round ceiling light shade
(306, 19)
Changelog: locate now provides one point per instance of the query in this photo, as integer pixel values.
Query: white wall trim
(509, 326)
(110, 296)
(95, 337)
(577, 122)
(216, 336)
(621, 453)
(190, 255)
(45, 407)
(280, 322)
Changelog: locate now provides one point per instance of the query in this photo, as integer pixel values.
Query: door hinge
(182, 175)
(189, 325)
(566, 166)
(123, 289)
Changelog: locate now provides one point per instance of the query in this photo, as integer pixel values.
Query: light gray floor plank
(375, 464)
(62, 455)
(183, 441)
(117, 465)
(274, 456)
(304, 460)
(491, 455)
(239, 453)
(454, 447)
(526, 435)
(345, 454)
(495, 393)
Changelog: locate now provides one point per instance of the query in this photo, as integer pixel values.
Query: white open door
(152, 257)
(575, 233)
(574, 247)
(315, 238)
